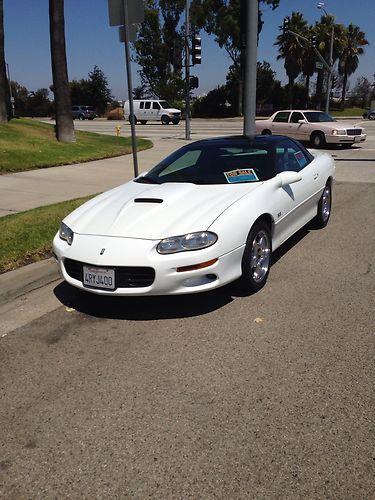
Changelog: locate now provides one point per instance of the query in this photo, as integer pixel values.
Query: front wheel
(324, 208)
(256, 258)
(372, 116)
(317, 140)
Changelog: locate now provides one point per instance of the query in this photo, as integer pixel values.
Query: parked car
(369, 114)
(316, 127)
(83, 112)
(152, 110)
(210, 213)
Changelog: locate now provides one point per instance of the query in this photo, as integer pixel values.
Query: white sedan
(209, 214)
(312, 126)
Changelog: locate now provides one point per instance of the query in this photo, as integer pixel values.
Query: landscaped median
(27, 144)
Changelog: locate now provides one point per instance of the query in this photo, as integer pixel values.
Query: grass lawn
(348, 112)
(27, 236)
(27, 144)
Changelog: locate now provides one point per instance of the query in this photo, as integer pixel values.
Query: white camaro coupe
(210, 213)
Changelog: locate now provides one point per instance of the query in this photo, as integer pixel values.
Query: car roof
(224, 140)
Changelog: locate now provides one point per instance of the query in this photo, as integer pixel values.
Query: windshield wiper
(146, 180)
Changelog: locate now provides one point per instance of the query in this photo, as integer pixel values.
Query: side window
(282, 117)
(289, 156)
(141, 104)
(147, 105)
(155, 105)
(295, 117)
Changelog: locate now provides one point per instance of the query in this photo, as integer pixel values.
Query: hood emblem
(102, 251)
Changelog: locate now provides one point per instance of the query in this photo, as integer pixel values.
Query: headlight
(338, 132)
(66, 233)
(191, 241)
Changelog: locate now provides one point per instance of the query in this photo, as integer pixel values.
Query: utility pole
(251, 30)
(187, 71)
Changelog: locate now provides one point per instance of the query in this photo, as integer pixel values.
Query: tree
(4, 86)
(292, 50)
(64, 120)
(353, 40)
(222, 18)
(161, 75)
(93, 91)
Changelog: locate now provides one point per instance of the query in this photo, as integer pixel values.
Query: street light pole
(329, 83)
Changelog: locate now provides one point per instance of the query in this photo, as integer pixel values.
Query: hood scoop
(148, 200)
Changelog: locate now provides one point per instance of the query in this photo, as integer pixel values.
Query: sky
(91, 41)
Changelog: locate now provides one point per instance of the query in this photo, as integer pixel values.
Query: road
(268, 396)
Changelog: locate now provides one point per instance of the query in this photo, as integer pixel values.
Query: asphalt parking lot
(213, 396)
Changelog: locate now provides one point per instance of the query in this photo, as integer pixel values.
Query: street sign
(116, 12)
(318, 65)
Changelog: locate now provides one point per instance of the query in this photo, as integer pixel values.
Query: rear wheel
(371, 116)
(324, 207)
(266, 132)
(256, 259)
(317, 140)
(165, 120)
(135, 120)
(143, 122)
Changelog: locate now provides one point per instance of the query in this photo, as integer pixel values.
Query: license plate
(99, 277)
(357, 139)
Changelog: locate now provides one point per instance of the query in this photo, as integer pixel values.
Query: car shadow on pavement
(142, 308)
(161, 307)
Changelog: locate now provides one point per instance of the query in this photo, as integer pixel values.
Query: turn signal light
(197, 266)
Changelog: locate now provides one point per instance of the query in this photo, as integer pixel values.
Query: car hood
(171, 110)
(341, 124)
(136, 210)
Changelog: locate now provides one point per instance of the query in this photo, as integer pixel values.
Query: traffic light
(196, 50)
(177, 55)
(286, 25)
(313, 41)
(194, 82)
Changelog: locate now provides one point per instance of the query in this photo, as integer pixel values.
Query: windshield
(318, 116)
(215, 164)
(165, 104)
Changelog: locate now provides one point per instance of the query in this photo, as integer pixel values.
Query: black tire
(165, 120)
(371, 116)
(266, 132)
(143, 122)
(135, 120)
(175, 122)
(317, 140)
(256, 259)
(81, 117)
(324, 208)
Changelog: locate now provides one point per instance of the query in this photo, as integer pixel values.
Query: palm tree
(64, 120)
(291, 49)
(4, 95)
(353, 40)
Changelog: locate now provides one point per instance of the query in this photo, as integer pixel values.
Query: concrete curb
(15, 284)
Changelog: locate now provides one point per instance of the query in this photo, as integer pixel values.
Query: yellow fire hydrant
(118, 130)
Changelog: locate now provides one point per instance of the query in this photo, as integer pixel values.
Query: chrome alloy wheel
(326, 203)
(260, 256)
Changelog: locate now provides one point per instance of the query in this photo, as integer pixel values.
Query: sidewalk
(34, 188)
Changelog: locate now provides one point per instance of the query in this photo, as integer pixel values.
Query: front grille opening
(125, 276)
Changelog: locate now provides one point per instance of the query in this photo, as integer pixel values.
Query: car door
(297, 201)
(156, 110)
(280, 123)
(296, 128)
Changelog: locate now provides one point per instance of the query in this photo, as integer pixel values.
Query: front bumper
(345, 139)
(142, 253)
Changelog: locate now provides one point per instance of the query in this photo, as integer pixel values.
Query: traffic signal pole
(187, 72)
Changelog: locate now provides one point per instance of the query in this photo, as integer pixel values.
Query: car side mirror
(302, 121)
(288, 177)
